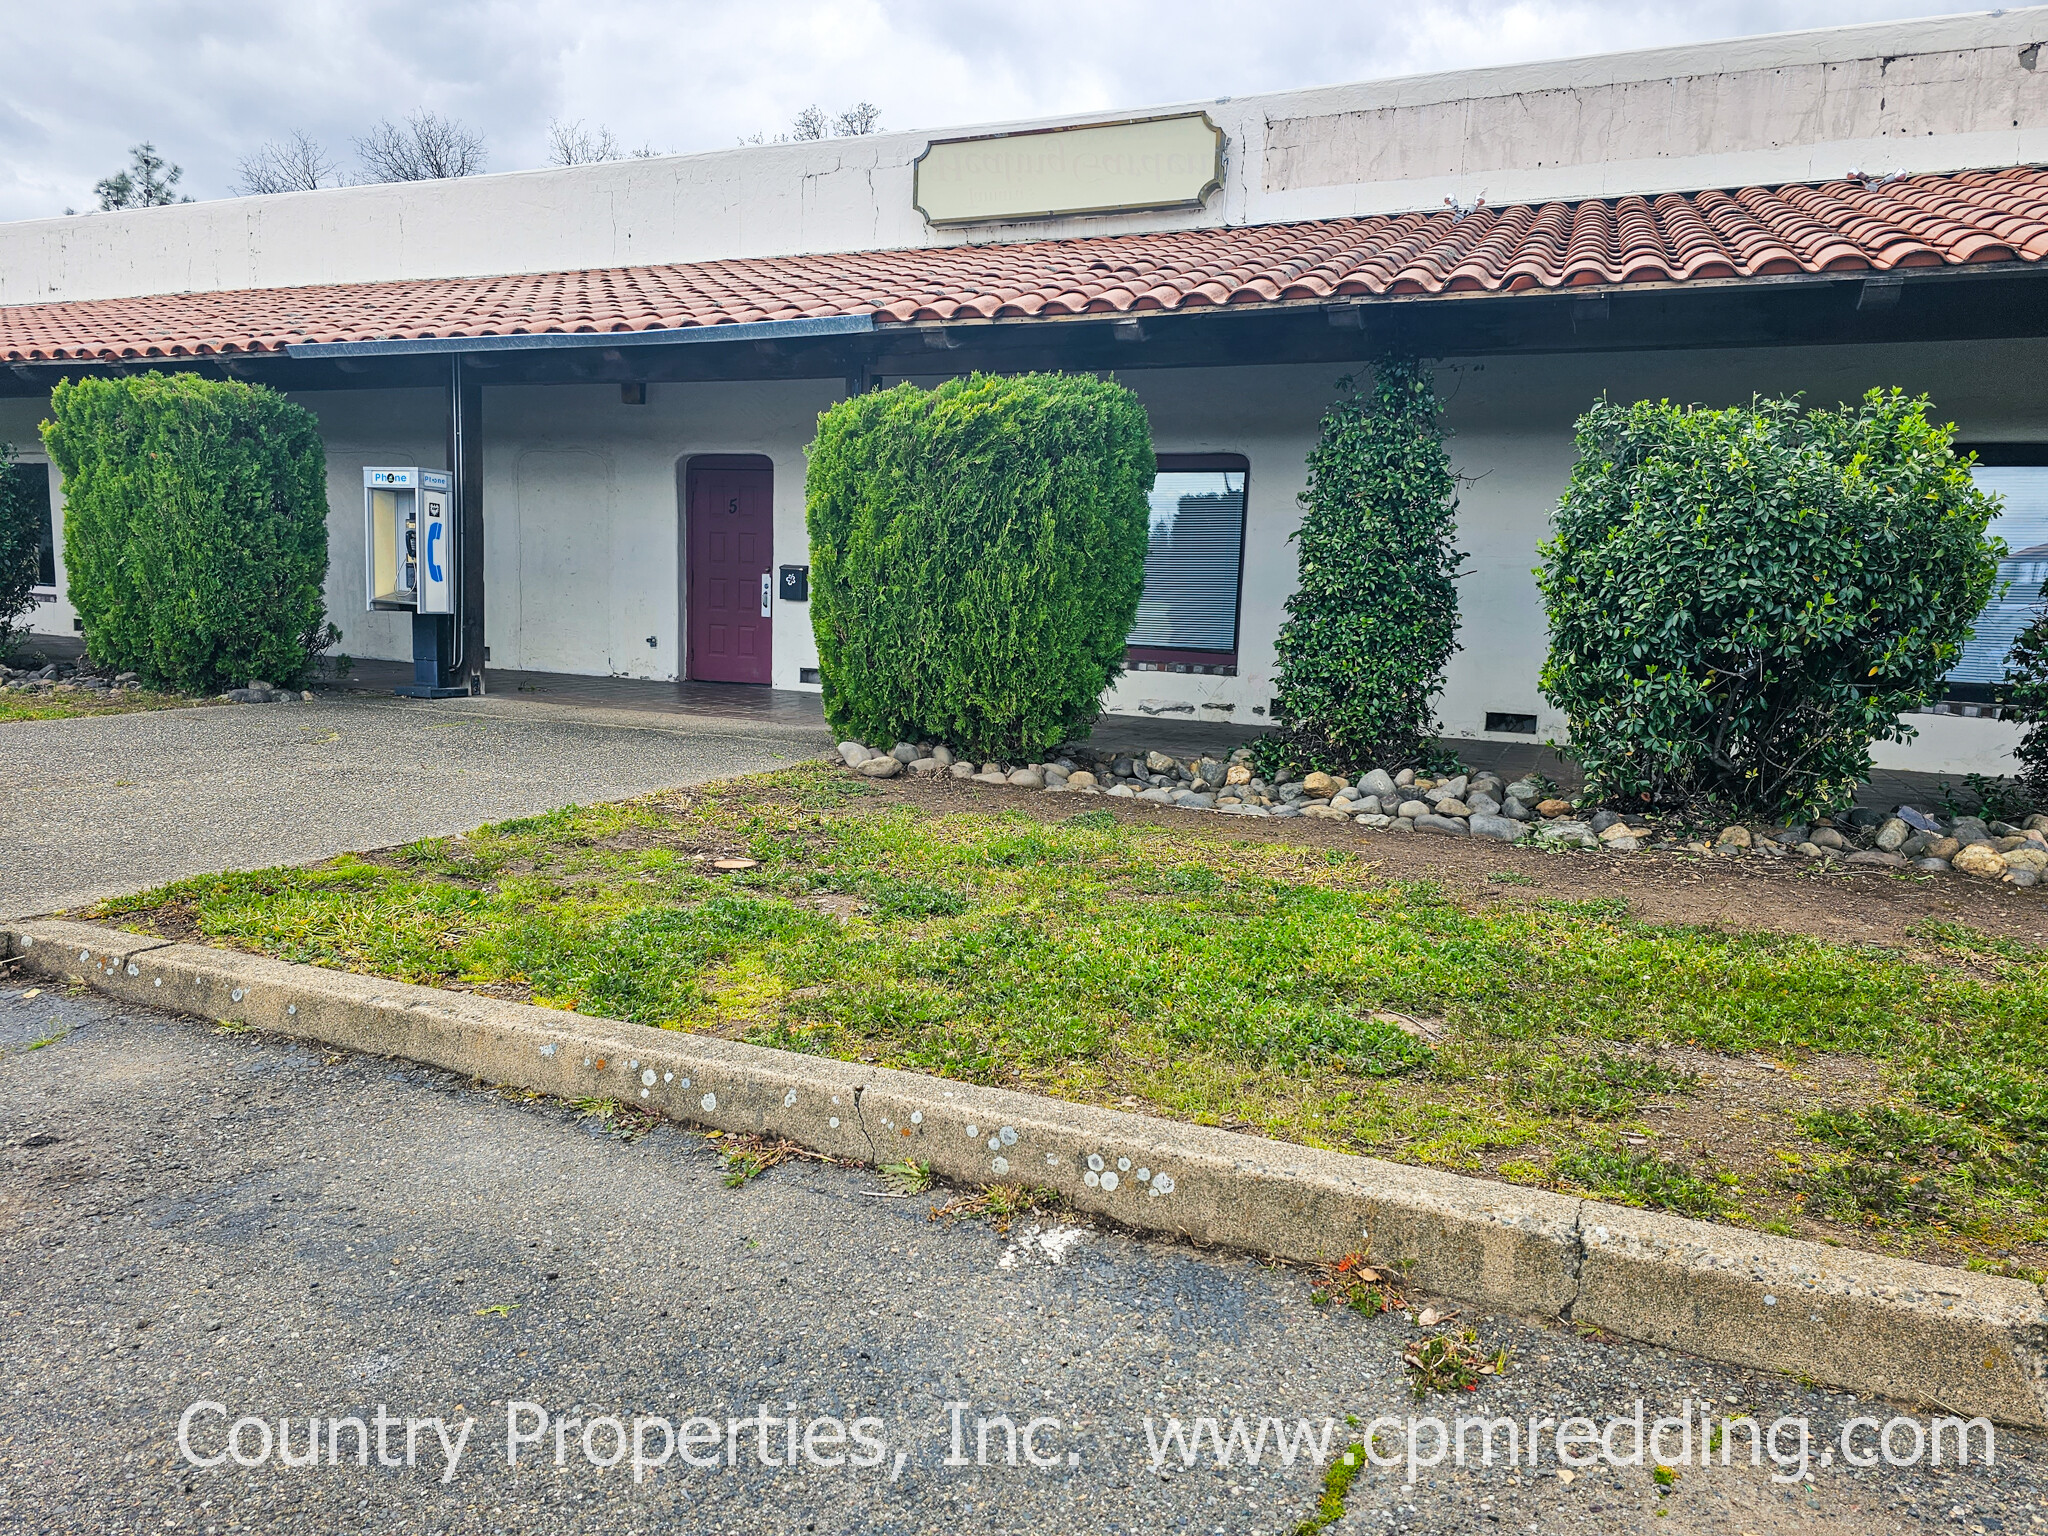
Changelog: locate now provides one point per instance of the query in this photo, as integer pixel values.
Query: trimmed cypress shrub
(1741, 601)
(195, 527)
(1374, 617)
(977, 553)
(21, 542)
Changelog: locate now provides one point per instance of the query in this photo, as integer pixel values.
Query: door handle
(765, 588)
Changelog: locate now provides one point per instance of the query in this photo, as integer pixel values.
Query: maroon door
(729, 548)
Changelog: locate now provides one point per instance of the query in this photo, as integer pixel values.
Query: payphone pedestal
(433, 660)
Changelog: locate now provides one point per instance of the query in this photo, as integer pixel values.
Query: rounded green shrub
(1374, 617)
(195, 527)
(977, 554)
(1741, 601)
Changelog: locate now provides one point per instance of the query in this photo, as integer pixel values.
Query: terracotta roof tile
(1843, 226)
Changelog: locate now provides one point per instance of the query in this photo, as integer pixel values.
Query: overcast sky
(208, 80)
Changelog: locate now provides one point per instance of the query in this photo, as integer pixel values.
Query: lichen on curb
(1969, 1343)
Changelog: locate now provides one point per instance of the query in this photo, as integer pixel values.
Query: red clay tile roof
(1843, 226)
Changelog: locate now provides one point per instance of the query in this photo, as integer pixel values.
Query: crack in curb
(874, 1157)
(1575, 1260)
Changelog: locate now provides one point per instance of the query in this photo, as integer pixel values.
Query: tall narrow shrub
(977, 554)
(21, 543)
(195, 527)
(1374, 617)
(1741, 601)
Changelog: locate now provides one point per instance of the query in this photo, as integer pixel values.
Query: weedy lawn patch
(69, 706)
(1865, 1094)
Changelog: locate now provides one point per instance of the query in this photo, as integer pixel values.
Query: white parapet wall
(1944, 94)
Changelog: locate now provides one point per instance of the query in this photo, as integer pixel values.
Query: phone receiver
(433, 565)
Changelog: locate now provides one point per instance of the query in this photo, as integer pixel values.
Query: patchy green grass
(69, 706)
(1256, 984)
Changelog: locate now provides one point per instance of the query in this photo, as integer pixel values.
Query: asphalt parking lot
(106, 804)
(195, 1215)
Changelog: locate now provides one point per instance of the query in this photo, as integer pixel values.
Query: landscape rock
(1943, 848)
(1451, 806)
(854, 754)
(1621, 844)
(1408, 810)
(1892, 834)
(1918, 820)
(1238, 773)
(1518, 810)
(1159, 762)
(1081, 779)
(1571, 834)
(1454, 787)
(925, 765)
(1936, 866)
(1378, 782)
(962, 770)
(1733, 837)
(1028, 778)
(1968, 829)
(943, 756)
(1500, 828)
(1121, 792)
(2024, 877)
(1553, 807)
(1828, 837)
(1404, 778)
(1883, 860)
(1481, 803)
(1443, 826)
(905, 752)
(1320, 786)
(880, 766)
(1981, 860)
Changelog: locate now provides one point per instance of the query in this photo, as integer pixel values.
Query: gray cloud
(208, 80)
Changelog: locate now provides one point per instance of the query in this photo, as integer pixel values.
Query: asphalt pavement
(106, 804)
(225, 1228)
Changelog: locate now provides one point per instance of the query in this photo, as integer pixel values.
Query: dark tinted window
(32, 481)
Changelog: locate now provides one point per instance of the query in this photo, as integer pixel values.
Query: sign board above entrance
(1153, 162)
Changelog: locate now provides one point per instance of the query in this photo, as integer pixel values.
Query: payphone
(409, 563)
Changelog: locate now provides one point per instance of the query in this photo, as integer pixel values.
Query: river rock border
(1482, 805)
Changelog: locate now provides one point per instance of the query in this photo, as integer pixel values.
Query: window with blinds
(1193, 564)
(2023, 524)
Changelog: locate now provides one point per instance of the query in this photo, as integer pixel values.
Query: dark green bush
(21, 542)
(2026, 673)
(1741, 601)
(1374, 617)
(195, 527)
(977, 553)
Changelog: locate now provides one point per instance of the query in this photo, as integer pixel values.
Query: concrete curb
(1964, 1343)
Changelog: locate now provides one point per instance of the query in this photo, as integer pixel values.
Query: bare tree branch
(574, 144)
(857, 121)
(810, 124)
(295, 163)
(426, 147)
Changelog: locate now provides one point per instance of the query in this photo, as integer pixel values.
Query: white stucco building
(623, 363)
